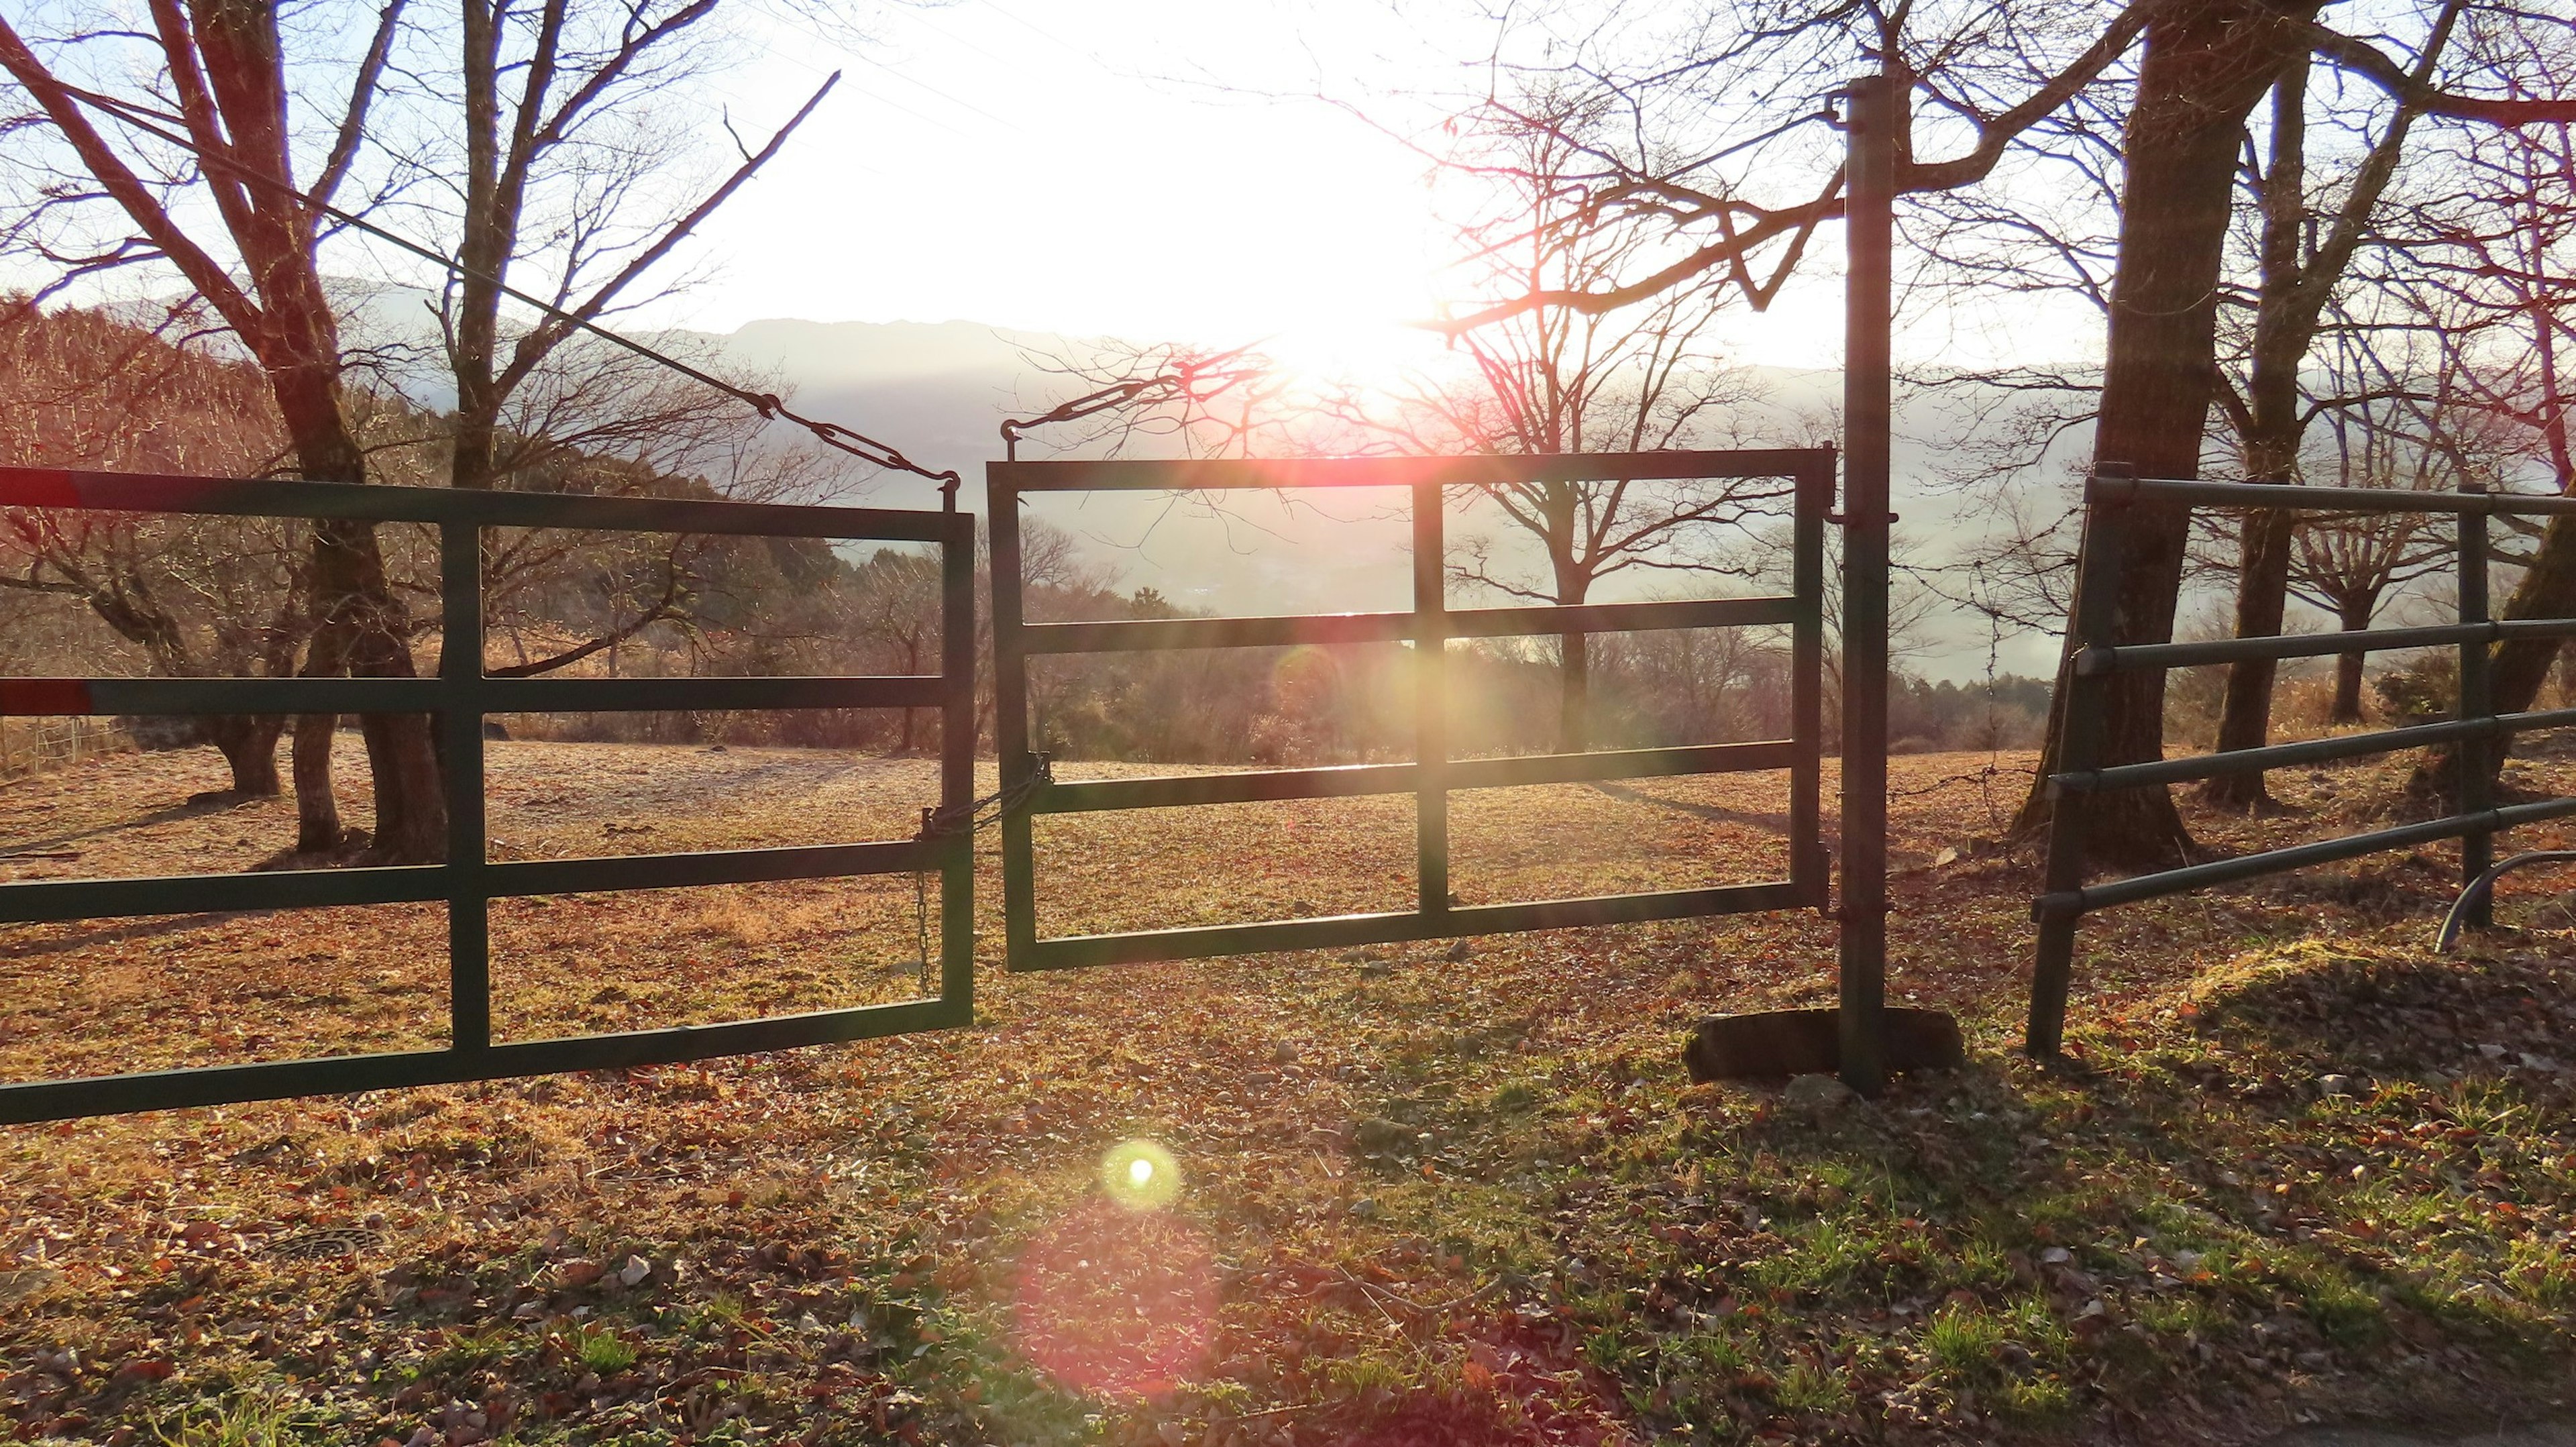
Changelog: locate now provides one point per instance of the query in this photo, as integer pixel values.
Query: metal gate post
(1430, 700)
(2476, 756)
(1011, 724)
(460, 669)
(1877, 115)
(957, 763)
(2081, 723)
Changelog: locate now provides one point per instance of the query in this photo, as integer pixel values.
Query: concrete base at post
(1776, 1044)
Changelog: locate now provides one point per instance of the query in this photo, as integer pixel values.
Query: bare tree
(222, 81)
(2492, 270)
(2350, 564)
(559, 118)
(1559, 379)
(194, 596)
(2302, 264)
(1985, 76)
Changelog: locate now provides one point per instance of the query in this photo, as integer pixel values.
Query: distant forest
(87, 594)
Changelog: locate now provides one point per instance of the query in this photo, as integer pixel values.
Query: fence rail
(460, 695)
(1428, 626)
(2081, 778)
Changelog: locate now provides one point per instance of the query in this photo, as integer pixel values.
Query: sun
(1329, 354)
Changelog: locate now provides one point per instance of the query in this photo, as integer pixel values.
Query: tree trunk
(2520, 667)
(2262, 600)
(1574, 650)
(2282, 331)
(1574, 699)
(317, 812)
(248, 743)
(2354, 615)
(2206, 65)
(362, 627)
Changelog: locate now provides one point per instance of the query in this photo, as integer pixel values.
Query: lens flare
(1140, 1175)
(1117, 1302)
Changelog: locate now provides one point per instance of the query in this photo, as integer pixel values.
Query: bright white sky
(1146, 168)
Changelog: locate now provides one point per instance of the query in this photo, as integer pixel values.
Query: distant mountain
(939, 390)
(936, 390)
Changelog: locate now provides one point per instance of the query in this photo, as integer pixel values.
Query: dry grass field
(2302, 1167)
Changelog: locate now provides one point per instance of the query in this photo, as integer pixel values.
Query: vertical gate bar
(2477, 757)
(1011, 724)
(460, 672)
(2079, 748)
(957, 766)
(1430, 700)
(1808, 867)
(1877, 116)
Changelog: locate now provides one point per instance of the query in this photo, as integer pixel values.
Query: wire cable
(767, 404)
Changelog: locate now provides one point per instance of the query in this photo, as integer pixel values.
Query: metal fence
(461, 695)
(41, 745)
(1428, 627)
(2080, 776)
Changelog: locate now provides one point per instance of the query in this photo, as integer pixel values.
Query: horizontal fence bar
(1232, 474)
(246, 497)
(346, 1074)
(1137, 635)
(1262, 786)
(75, 696)
(728, 866)
(1126, 635)
(2308, 751)
(47, 901)
(2313, 645)
(1607, 764)
(2319, 499)
(630, 695)
(58, 696)
(1623, 617)
(41, 901)
(1340, 931)
(1252, 786)
(2297, 856)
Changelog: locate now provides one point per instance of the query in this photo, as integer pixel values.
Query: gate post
(2477, 754)
(2082, 717)
(1877, 117)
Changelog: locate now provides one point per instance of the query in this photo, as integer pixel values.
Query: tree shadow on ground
(196, 806)
(1718, 813)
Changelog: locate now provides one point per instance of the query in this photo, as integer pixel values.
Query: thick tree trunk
(360, 627)
(2354, 615)
(1574, 697)
(2520, 667)
(2262, 600)
(248, 743)
(2282, 331)
(1574, 650)
(2206, 65)
(317, 812)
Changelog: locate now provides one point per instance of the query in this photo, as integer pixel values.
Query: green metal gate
(1427, 626)
(460, 696)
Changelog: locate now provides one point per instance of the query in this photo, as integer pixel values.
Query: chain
(948, 822)
(1196, 380)
(767, 404)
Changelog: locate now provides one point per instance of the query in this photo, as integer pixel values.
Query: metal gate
(460, 696)
(2099, 655)
(1428, 627)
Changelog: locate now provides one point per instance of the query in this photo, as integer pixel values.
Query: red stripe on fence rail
(35, 696)
(38, 487)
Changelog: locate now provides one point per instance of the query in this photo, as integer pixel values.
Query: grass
(1423, 1199)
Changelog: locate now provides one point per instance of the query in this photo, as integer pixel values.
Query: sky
(1147, 168)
